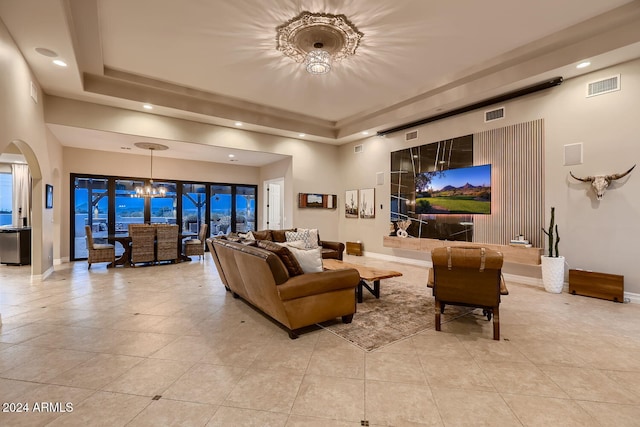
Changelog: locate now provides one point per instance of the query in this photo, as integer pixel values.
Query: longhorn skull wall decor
(601, 182)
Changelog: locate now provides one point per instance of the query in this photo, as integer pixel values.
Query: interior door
(275, 204)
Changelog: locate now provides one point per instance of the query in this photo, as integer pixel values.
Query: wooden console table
(511, 254)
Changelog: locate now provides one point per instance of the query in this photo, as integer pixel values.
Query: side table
(354, 248)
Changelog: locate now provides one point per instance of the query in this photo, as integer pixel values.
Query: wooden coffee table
(367, 274)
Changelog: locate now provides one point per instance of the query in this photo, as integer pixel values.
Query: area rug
(403, 310)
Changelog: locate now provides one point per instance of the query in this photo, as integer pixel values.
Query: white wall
(600, 236)
(22, 123)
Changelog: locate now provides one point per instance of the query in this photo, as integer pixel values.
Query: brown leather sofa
(260, 277)
(469, 277)
(334, 250)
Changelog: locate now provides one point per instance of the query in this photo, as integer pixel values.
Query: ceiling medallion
(317, 39)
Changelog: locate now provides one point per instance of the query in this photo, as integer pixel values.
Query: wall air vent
(492, 115)
(357, 149)
(600, 87)
(411, 135)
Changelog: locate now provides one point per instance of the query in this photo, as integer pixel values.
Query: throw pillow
(313, 241)
(294, 236)
(310, 260)
(288, 259)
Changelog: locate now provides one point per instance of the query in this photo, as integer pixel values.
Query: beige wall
(600, 236)
(276, 170)
(22, 123)
(131, 165)
(314, 167)
(595, 235)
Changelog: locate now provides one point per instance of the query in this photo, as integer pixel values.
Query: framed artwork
(314, 200)
(351, 204)
(48, 196)
(367, 203)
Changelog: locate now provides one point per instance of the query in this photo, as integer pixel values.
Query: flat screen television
(460, 191)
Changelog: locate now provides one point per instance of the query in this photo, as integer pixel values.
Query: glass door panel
(220, 210)
(91, 207)
(6, 199)
(129, 209)
(164, 209)
(245, 209)
(194, 207)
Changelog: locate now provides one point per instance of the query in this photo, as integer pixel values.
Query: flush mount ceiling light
(317, 39)
(46, 52)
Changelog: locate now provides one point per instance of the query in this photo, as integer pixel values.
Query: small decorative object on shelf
(520, 241)
(354, 248)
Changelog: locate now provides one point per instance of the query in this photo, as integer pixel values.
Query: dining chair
(143, 238)
(99, 252)
(166, 242)
(194, 247)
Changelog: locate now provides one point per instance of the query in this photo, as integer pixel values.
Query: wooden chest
(597, 285)
(354, 248)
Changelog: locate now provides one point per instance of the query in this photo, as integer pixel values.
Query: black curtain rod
(501, 98)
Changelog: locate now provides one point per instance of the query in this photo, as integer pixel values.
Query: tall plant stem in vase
(550, 234)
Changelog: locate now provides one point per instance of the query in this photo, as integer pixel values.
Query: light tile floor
(109, 341)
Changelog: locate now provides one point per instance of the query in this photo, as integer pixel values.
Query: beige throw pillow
(310, 260)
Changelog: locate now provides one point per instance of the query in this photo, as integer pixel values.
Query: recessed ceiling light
(231, 156)
(238, 123)
(59, 62)
(302, 135)
(46, 52)
(147, 107)
(365, 133)
(583, 64)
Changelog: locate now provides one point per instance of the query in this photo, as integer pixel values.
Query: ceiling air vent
(357, 149)
(411, 135)
(600, 87)
(492, 115)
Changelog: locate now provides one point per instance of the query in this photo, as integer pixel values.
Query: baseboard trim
(60, 261)
(632, 297)
(43, 276)
(525, 280)
(401, 260)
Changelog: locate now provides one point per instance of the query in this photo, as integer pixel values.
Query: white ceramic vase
(553, 273)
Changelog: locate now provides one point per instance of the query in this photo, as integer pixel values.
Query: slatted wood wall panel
(516, 154)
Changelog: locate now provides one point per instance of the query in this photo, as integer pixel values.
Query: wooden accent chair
(196, 246)
(469, 277)
(166, 242)
(99, 252)
(143, 238)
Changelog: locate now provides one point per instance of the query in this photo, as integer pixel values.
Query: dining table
(125, 240)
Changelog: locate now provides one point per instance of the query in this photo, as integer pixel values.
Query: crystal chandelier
(150, 190)
(318, 61)
(317, 39)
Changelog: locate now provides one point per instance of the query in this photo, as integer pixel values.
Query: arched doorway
(39, 266)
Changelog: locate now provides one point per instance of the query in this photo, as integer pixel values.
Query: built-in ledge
(512, 254)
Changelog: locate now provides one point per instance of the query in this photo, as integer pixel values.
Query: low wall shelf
(512, 254)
